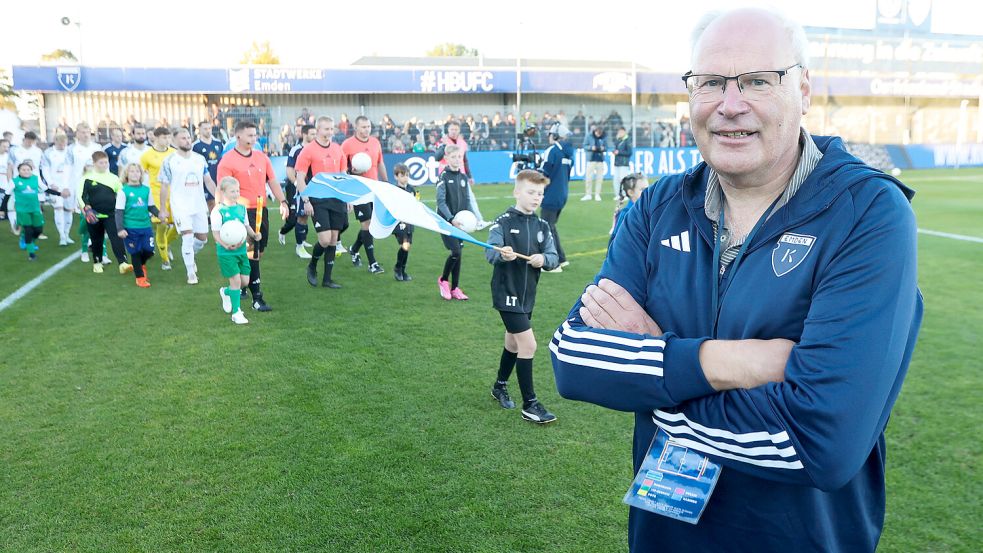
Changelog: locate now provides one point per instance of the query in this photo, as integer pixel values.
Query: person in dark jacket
(516, 232)
(453, 196)
(559, 162)
(595, 146)
(757, 314)
(622, 161)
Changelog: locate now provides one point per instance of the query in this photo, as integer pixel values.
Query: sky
(653, 33)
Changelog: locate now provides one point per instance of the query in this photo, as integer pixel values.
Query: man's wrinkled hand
(607, 305)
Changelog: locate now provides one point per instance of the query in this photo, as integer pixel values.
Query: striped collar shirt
(808, 160)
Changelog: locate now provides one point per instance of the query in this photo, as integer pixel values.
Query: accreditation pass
(673, 481)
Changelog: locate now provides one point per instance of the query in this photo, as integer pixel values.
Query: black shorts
(453, 245)
(264, 229)
(363, 212)
(516, 322)
(326, 217)
(403, 233)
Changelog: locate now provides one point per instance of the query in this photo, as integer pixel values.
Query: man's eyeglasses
(755, 84)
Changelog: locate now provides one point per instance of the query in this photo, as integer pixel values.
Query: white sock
(68, 218)
(12, 218)
(199, 244)
(188, 251)
(60, 224)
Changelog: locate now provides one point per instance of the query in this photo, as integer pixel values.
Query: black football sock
(254, 280)
(505, 366)
(300, 232)
(401, 256)
(329, 253)
(289, 224)
(317, 253)
(369, 242)
(357, 244)
(448, 265)
(456, 274)
(523, 371)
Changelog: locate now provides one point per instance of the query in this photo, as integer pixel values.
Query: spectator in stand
(64, 127)
(483, 133)
(508, 132)
(454, 137)
(612, 123)
(344, 128)
(131, 121)
(388, 126)
(528, 120)
(215, 113)
(305, 118)
(685, 133)
(547, 121)
(495, 127)
(339, 135)
(218, 131)
(103, 128)
(578, 124)
(187, 124)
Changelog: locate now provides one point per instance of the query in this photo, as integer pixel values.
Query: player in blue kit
(210, 149)
(113, 148)
(297, 220)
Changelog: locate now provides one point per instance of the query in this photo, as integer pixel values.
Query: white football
(466, 221)
(232, 232)
(896, 172)
(361, 162)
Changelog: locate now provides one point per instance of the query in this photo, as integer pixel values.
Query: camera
(525, 155)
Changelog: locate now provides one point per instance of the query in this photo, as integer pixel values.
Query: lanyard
(737, 260)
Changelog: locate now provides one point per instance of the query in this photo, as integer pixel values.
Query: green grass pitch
(360, 419)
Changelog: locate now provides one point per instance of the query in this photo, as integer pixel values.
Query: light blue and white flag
(390, 204)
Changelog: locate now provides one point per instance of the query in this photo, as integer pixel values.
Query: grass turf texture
(360, 419)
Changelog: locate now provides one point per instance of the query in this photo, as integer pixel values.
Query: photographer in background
(453, 137)
(559, 162)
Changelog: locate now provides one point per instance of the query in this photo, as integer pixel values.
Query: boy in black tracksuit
(453, 195)
(403, 231)
(513, 285)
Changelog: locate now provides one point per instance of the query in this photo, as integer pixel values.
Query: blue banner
(474, 80)
(497, 167)
(936, 156)
(493, 167)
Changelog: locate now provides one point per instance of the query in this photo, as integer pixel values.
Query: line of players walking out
(147, 200)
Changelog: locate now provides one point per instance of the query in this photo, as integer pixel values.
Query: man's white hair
(796, 34)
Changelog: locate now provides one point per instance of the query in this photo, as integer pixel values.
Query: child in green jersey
(232, 259)
(134, 206)
(28, 207)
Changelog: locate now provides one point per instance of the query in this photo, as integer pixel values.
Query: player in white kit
(56, 170)
(79, 155)
(181, 177)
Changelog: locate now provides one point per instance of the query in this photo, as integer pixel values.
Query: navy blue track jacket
(834, 270)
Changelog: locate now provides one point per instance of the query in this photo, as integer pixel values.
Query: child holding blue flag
(403, 231)
(517, 232)
(453, 195)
